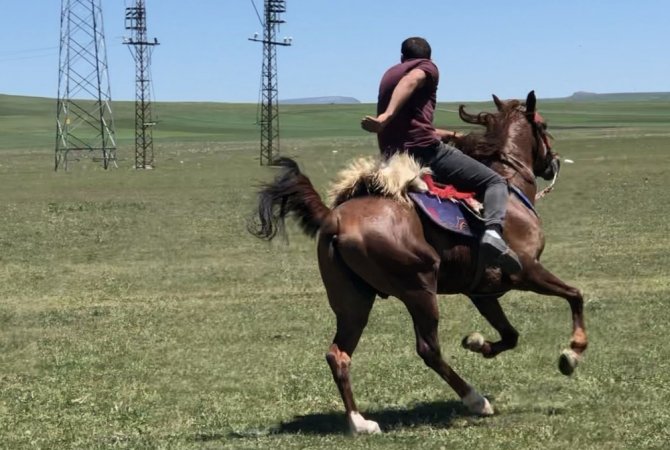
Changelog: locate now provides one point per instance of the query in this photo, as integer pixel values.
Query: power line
(25, 54)
(28, 50)
(257, 13)
(24, 58)
(260, 90)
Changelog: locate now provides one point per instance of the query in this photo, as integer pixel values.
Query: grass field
(136, 312)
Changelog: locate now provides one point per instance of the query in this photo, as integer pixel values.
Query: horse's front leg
(423, 308)
(489, 308)
(540, 280)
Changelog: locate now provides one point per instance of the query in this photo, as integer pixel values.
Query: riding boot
(494, 250)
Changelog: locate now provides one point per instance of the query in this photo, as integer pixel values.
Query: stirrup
(495, 251)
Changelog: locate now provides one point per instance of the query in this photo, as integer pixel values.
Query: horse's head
(516, 136)
(545, 162)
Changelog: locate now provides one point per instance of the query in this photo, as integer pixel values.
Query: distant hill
(22, 102)
(332, 100)
(582, 96)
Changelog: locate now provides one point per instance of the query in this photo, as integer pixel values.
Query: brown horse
(373, 245)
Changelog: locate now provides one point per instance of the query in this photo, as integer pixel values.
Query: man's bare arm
(415, 79)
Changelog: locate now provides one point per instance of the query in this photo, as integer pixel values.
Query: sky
(342, 47)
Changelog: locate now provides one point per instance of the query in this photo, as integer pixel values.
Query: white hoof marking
(477, 404)
(358, 425)
(474, 342)
(567, 362)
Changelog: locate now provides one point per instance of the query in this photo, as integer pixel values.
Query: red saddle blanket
(449, 192)
(449, 208)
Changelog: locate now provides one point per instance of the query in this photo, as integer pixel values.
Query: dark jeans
(451, 166)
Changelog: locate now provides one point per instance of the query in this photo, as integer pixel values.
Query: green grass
(136, 312)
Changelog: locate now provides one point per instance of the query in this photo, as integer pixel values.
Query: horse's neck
(509, 138)
(518, 165)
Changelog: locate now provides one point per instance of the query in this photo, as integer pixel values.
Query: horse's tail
(291, 193)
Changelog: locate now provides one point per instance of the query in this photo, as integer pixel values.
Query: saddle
(450, 209)
(455, 211)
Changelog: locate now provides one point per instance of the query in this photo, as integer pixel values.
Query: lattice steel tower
(84, 114)
(141, 50)
(269, 105)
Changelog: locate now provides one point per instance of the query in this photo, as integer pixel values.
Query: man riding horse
(405, 108)
(371, 245)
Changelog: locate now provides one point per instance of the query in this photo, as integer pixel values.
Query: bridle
(542, 138)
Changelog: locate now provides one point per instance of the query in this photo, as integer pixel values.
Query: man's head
(414, 47)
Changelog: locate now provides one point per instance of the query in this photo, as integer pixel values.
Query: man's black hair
(415, 47)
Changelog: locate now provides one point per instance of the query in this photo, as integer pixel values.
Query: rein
(549, 188)
(544, 141)
(521, 169)
(527, 174)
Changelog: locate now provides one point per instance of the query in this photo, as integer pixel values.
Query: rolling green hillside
(29, 122)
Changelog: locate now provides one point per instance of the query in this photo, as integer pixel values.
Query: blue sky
(342, 47)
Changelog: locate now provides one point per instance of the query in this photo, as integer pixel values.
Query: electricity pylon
(141, 50)
(269, 103)
(84, 119)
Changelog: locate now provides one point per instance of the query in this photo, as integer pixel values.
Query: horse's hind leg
(422, 305)
(351, 300)
(542, 281)
(489, 308)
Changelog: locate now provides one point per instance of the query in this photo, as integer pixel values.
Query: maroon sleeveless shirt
(412, 127)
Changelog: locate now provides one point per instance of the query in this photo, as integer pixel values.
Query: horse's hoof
(358, 425)
(478, 404)
(473, 342)
(567, 362)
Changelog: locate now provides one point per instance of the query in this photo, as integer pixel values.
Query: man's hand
(375, 124)
(448, 135)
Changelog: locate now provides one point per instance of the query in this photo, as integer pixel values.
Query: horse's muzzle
(552, 169)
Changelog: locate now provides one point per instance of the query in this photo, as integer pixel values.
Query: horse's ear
(530, 103)
(498, 102)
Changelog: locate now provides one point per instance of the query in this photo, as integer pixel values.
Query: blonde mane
(393, 178)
